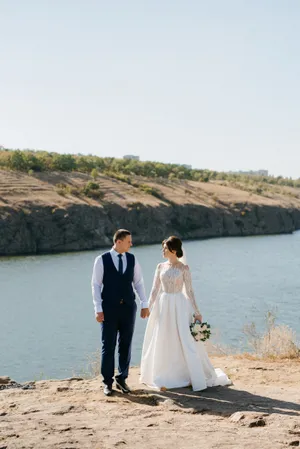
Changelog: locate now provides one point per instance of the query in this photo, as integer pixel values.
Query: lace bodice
(173, 279)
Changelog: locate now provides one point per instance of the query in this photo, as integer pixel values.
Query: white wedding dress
(171, 358)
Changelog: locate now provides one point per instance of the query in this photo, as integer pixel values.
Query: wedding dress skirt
(171, 358)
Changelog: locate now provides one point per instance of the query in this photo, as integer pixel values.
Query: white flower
(200, 331)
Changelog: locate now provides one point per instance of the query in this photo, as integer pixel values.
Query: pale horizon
(213, 85)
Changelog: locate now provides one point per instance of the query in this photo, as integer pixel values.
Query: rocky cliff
(37, 219)
(80, 227)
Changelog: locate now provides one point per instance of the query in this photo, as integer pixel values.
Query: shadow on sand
(217, 401)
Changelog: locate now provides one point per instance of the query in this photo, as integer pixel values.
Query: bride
(171, 358)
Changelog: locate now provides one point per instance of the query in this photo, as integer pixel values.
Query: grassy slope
(18, 190)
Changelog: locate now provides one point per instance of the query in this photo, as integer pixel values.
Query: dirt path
(261, 410)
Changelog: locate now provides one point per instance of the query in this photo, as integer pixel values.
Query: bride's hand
(198, 318)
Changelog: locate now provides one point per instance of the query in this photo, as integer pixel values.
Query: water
(47, 326)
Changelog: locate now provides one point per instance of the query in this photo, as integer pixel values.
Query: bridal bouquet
(200, 331)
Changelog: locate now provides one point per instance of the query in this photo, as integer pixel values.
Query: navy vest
(116, 286)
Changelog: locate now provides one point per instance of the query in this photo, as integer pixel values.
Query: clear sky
(211, 83)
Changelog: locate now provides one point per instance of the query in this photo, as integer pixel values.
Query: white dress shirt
(97, 280)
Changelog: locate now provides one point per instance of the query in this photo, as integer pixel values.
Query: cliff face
(80, 227)
(38, 215)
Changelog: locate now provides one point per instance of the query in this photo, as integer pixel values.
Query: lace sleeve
(187, 278)
(156, 287)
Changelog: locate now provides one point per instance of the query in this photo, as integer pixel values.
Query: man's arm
(138, 283)
(97, 280)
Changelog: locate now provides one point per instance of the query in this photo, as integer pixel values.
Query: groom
(114, 276)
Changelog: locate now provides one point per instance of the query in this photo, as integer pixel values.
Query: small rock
(63, 410)
(295, 430)
(150, 399)
(65, 429)
(28, 386)
(11, 435)
(260, 422)
(60, 389)
(4, 380)
(30, 410)
(237, 417)
(169, 403)
(249, 419)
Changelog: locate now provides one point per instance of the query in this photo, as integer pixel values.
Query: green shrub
(61, 189)
(64, 189)
(63, 162)
(94, 174)
(92, 190)
(152, 191)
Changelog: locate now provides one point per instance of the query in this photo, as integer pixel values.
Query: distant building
(263, 172)
(130, 156)
(1, 147)
(251, 172)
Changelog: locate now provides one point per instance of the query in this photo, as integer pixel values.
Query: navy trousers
(118, 323)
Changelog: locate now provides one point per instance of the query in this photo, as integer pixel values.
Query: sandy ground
(261, 410)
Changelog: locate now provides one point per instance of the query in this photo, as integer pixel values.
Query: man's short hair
(121, 234)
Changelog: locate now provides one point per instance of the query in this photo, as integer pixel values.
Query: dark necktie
(120, 264)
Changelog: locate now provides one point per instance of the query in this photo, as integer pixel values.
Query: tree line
(31, 161)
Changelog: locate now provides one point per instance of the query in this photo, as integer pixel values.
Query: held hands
(100, 317)
(198, 318)
(145, 313)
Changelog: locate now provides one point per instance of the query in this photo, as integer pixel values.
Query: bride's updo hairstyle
(174, 244)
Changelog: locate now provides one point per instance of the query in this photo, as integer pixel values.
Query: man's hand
(100, 317)
(145, 313)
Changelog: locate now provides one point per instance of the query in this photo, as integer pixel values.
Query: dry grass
(93, 365)
(276, 342)
(17, 187)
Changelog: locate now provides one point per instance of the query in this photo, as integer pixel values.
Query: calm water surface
(47, 326)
